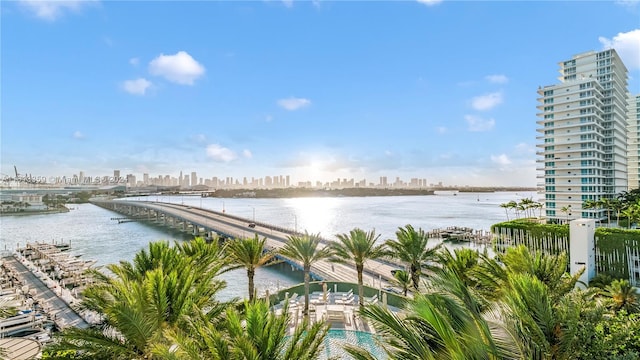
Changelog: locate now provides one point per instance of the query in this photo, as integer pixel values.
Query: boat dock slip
(59, 311)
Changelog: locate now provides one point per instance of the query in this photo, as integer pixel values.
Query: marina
(42, 283)
(462, 234)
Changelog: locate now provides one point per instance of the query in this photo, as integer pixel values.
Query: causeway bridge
(211, 224)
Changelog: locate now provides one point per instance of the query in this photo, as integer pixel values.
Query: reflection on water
(95, 236)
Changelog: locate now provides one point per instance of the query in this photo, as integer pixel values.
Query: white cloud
(497, 79)
(524, 148)
(627, 3)
(179, 68)
(220, 153)
(134, 61)
(107, 40)
(199, 138)
(288, 3)
(430, 2)
(486, 102)
(136, 87)
(52, 10)
(627, 45)
(78, 135)
(477, 123)
(441, 129)
(293, 103)
(247, 153)
(501, 159)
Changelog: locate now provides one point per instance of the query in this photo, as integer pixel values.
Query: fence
(617, 251)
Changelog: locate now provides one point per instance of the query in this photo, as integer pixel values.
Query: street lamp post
(254, 213)
(295, 219)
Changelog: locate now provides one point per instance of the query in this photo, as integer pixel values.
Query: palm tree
(410, 247)
(539, 206)
(5, 309)
(551, 270)
(526, 205)
(402, 279)
(606, 204)
(160, 291)
(253, 333)
(566, 210)
(545, 326)
(250, 254)
(506, 207)
(462, 262)
(591, 204)
(618, 206)
(622, 296)
(306, 250)
(514, 206)
(632, 213)
(442, 324)
(357, 246)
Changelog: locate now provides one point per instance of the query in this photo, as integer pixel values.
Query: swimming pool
(336, 338)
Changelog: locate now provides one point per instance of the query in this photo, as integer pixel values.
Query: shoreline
(35, 212)
(346, 192)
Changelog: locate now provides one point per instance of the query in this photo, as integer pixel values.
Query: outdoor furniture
(371, 300)
(345, 298)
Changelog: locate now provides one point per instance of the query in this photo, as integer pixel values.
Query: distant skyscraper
(634, 138)
(194, 179)
(131, 180)
(583, 135)
(116, 175)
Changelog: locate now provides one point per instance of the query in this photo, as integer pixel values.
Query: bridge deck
(276, 236)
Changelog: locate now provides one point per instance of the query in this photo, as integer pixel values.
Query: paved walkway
(59, 311)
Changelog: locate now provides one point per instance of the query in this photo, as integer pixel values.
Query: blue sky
(317, 90)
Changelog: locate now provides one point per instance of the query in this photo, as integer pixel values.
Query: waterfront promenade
(210, 223)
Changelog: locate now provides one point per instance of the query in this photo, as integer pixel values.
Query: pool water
(336, 338)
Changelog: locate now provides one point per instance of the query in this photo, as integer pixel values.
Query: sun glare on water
(316, 214)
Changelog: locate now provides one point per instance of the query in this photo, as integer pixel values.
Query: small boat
(63, 247)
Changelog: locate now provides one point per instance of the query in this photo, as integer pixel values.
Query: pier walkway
(59, 311)
(209, 223)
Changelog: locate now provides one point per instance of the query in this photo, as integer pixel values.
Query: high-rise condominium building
(583, 135)
(633, 128)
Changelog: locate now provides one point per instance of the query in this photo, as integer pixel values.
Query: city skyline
(186, 180)
(436, 90)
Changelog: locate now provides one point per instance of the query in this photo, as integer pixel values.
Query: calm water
(95, 236)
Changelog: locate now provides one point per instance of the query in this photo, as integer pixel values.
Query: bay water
(93, 234)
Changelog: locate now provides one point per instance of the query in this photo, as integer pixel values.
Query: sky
(318, 90)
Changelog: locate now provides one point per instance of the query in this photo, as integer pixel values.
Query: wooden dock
(462, 234)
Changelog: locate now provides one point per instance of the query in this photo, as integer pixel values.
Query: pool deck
(339, 309)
